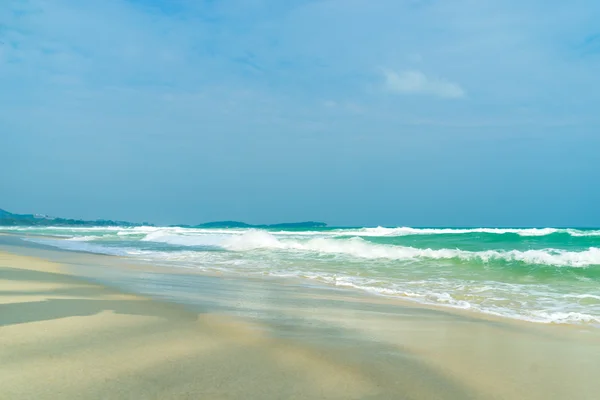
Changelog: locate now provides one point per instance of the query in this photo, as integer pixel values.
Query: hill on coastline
(10, 219)
(237, 224)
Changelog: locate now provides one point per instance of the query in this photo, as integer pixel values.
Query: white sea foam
(357, 247)
(444, 293)
(577, 233)
(84, 238)
(561, 317)
(136, 231)
(583, 296)
(256, 240)
(407, 231)
(178, 239)
(362, 232)
(262, 252)
(86, 247)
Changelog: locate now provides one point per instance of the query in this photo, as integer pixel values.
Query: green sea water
(542, 275)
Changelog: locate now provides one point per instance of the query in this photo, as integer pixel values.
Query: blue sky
(391, 112)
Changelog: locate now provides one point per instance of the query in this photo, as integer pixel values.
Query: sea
(543, 275)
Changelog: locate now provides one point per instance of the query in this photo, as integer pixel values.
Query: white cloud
(416, 82)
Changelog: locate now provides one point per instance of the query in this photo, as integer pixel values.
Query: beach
(298, 200)
(76, 325)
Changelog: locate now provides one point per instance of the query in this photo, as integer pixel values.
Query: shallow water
(398, 350)
(543, 275)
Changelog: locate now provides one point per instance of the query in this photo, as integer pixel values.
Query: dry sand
(64, 337)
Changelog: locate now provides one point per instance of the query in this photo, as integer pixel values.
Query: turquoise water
(540, 275)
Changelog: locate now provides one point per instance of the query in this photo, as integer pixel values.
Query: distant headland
(10, 219)
(237, 224)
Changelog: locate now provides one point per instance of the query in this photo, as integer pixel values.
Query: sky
(351, 112)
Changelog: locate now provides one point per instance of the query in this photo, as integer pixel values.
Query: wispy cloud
(300, 52)
(416, 82)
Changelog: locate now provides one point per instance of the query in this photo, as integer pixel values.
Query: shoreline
(65, 337)
(88, 318)
(19, 242)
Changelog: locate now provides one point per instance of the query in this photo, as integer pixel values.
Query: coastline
(84, 328)
(63, 337)
(21, 245)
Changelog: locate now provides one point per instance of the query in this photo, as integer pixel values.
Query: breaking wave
(360, 248)
(536, 274)
(407, 231)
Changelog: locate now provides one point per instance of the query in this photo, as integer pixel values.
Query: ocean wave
(444, 294)
(407, 231)
(578, 233)
(265, 253)
(360, 232)
(172, 237)
(83, 238)
(359, 248)
(561, 317)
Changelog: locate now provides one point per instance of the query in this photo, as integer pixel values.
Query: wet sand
(72, 329)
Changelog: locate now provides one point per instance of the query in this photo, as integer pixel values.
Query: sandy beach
(68, 331)
(65, 338)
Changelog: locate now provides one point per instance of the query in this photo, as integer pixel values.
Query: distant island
(10, 219)
(237, 224)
